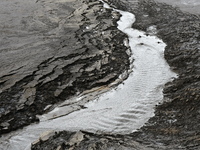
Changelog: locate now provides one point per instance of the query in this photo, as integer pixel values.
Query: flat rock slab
(176, 123)
(51, 51)
(87, 141)
(48, 52)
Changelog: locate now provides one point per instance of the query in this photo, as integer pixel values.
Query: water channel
(123, 109)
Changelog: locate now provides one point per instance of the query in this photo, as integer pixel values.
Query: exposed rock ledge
(176, 124)
(60, 49)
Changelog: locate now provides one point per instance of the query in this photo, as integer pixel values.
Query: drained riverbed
(123, 109)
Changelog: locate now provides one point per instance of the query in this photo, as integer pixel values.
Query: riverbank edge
(89, 59)
(175, 124)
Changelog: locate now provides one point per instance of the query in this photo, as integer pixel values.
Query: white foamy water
(122, 110)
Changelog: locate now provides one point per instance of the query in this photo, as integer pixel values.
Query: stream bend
(122, 110)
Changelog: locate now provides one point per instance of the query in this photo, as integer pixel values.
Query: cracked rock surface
(87, 141)
(63, 48)
(57, 50)
(176, 122)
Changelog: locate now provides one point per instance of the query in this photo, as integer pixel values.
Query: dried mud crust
(88, 52)
(177, 121)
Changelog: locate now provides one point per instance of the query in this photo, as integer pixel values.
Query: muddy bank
(176, 123)
(64, 48)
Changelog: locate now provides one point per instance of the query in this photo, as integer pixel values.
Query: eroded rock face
(176, 123)
(59, 50)
(87, 141)
(63, 47)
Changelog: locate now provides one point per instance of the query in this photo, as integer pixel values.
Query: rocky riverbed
(61, 50)
(67, 48)
(176, 123)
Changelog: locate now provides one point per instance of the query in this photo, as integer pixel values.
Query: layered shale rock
(176, 122)
(58, 50)
(86, 141)
(67, 47)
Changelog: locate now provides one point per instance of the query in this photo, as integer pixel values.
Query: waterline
(122, 110)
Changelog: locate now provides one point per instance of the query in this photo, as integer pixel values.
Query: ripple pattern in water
(123, 110)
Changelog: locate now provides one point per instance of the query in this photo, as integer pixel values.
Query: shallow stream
(122, 110)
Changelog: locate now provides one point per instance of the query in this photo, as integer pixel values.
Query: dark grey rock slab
(58, 49)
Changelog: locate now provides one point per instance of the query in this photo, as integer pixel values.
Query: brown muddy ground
(176, 123)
